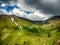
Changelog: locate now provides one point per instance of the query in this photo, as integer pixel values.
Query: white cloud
(3, 11)
(18, 12)
(3, 5)
(22, 5)
(36, 16)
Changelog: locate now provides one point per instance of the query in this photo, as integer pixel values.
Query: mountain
(54, 18)
(18, 31)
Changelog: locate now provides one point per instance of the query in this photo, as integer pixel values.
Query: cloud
(3, 11)
(18, 12)
(46, 6)
(3, 5)
(36, 16)
(40, 9)
(8, 1)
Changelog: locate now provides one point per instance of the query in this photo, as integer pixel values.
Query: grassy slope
(27, 33)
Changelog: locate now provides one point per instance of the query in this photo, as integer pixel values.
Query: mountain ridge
(52, 18)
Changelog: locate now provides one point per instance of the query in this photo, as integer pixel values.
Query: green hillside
(17, 31)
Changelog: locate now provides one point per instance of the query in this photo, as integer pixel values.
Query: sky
(36, 10)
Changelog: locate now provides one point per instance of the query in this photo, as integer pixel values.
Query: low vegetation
(23, 32)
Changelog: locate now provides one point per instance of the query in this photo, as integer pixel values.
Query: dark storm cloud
(8, 1)
(46, 6)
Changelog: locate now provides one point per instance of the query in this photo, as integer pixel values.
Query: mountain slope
(17, 31)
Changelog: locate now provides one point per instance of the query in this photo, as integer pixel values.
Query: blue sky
(9, 8)
(6, 7)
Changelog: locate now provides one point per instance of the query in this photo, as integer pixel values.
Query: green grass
(27, 33)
